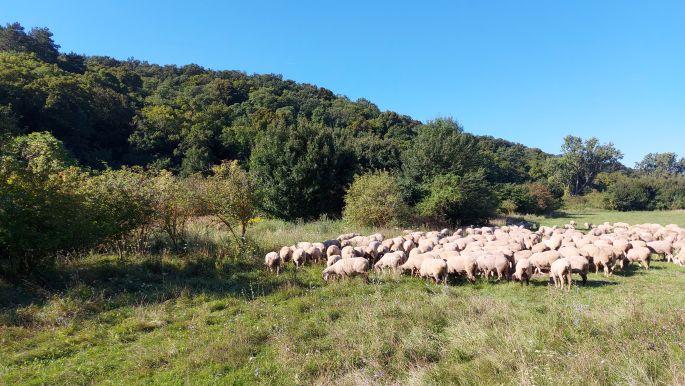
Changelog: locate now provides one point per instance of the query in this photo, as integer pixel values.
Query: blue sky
(527, 71)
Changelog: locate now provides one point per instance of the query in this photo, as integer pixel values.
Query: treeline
(303, 143)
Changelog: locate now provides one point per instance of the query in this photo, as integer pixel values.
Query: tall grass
(168, 319)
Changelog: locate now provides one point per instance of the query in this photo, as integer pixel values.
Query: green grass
(599, 216)
(173, 320)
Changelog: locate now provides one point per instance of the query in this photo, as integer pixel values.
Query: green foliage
(374, 199)
(457, 200)
(440, 147)
(300, 171)
(232, 196)
(661, 165)
(581, 161)
(629, 194)
(39, 212)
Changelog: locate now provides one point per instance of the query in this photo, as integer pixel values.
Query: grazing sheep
(390, 260)
(639, 255)
(333, 250)
(413, 263)
(272, 261)
(579, 265)
(524, 254)
(348, 267)
(495, 265)
(328, 243)
(463, 264)
(664, 248)
(560, 271)
(314, 253)
(524, 271)
(299, 257)
(286, 254)
(348, 252)
(435, 269)
(606, 258)
(542, 261)
(332, 259)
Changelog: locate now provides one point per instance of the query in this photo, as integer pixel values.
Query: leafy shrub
(374, 199)
(456, 200)
(629, 194)
(231, 196)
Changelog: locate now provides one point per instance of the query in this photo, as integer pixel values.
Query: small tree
(374, 199)
(174, 204)
(232, 196)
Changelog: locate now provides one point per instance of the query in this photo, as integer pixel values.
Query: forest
(95, 150)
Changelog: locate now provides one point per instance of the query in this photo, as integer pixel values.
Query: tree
(458, 200)
(661, 165)
(581, 161)
(232, 196)
(374, 199)
(299, 169)
(440, 147)
(38, 40)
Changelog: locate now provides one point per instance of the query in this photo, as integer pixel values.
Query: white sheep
(272, 261)
(435, 269)
(348, 267)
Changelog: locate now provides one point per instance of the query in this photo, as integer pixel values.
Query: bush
(374, 199)
(457, 200)
(534, 198)
(629, 194)
(542, 199)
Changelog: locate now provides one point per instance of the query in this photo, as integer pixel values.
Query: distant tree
(661, 165)
(38, 40)
(581, 161)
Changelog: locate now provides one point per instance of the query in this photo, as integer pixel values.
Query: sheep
(348, 267)
(524, 254)
(543, 260)
(560, 271)
(662, 248)
(680, 258)
(606, 258)
(639, 254)
(579, 265)
(332, 259)
(463, 264)
(495, 265)
(413, 263)
(314, 253)
(286, 254)
(435, 269)
(273, 260)
(328, 243)
(333, 250)
(390, 260)
(299, 257)
(524, 271)
(348, 251)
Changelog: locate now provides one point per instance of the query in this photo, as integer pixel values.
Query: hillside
(185, 118)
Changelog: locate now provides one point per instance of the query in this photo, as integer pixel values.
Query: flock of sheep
(509, 252)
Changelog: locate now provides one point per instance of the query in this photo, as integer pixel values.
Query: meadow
(168, 319)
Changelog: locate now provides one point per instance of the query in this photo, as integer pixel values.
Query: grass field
(172, 320)
(599, 216)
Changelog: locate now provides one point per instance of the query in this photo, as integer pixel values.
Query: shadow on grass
(106, 284)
